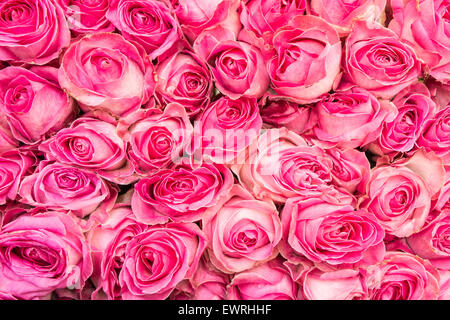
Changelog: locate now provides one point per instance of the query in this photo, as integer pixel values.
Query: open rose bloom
(224, 149)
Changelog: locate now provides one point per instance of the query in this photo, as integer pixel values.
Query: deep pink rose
(157, 259)
(341, 14)
(414, 107)
(87, 16)
(56, 185)
(238, 68)
(376, 60)
(335, 239)
(103, 71)
(14, 165)
(307, 59)
(269, 281)
(350, 118)
(32, 31)
(425, 25)
(400, 194)
(436, 134)
(158, 139)
(149, 23)
(181, 192)
(403, 276)
(198, 15)
(185, 78)
(433, 243)
(225, 128)
(92, 144)
(241, 231)
(41, 253)
(350, 170)
(33, 103)
(343, 284)
(283, 113)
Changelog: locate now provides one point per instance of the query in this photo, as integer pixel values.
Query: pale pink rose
(42, 253)
(281, 165)
(433, 243)
(209, 283)
(375, 59)
(33, 103)
(307, 59)
(261, 18)
(241, 231)
(55, 185)
(400, 194)
(225, 128)
(157, 259)
(283, 113)
(180, 193)
(444, 285)
(108, 241)
(440, 206)
(341, 14)
(198, 15)
(269, 281)
(186, 79)
(436, 134)
(92, 144)
(333, 240)
(350, 118)
(440, 92)
(344, 284)
(350, 169)
(424, 24)
(238, 68)
(414, 107)
(103, 71)
(32, 31)
(86, 16)
(149, 23)
(7, 140)
(14, 165)
(403, 276)
(158, 139)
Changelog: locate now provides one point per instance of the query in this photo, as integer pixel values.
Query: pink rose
(376, 60)
(403, 276)
(238, 68)
(225, 128)
(42, 253)
(399, 194)
(269, 281)
(414, 107)
(185, 79)
(7, 140)
(444, 290)
(198, 15)
(283, 113)
(341, 14)
(440, 92)
(344, 284)
(103, 71)
(158, 139)
(440, 206)
(350, 170)
(436, 135)
(92, 144)
(424, 24)
(87, 16)
(14, 165)
(26, 36)
(433, 243)
(157, 259)
(307, 58)
(350, 118)
(241, 231)
(148, 23)
(180, 193)
(33, 103)
(335, 239)
(55, 185)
